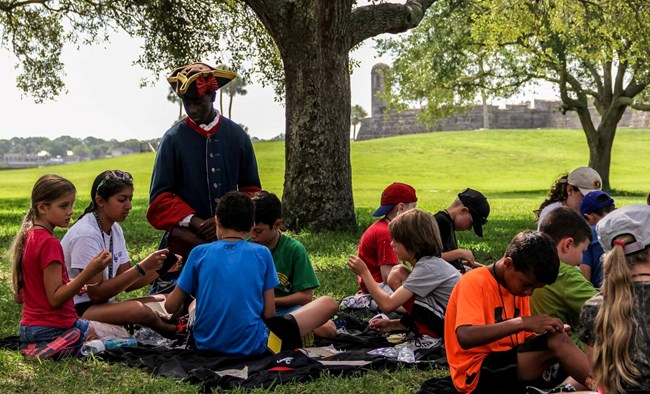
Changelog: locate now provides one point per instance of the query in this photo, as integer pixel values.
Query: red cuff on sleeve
(166, 210)
(250, 190)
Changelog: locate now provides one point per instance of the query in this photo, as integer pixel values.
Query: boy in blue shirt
(594, 206)
(233, 285)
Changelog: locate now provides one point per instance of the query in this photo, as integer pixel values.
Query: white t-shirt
(84, 240)
(546, 210)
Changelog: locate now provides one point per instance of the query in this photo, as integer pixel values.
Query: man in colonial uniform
(199, 159)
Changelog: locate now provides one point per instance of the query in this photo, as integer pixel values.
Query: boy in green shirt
(295, 272)
(564, 298)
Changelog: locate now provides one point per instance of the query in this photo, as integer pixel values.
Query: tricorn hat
(198, 79)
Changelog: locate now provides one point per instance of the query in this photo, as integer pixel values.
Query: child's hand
(384, 325)
(154, 261)
(99, 262)
(357, 265)
(543, 324)
(178, 265)
(474, 264)
(83, 290)
(467, 255)
(208, 229)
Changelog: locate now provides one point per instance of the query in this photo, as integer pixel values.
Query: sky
(104, 98)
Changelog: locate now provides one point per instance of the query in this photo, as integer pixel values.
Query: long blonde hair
(47, 189)
(613, 366)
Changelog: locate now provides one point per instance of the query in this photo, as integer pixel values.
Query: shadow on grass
(627, 193)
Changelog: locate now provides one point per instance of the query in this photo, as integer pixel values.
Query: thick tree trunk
(318, 181)
(600, 159)
(314, 38)
(601, 140)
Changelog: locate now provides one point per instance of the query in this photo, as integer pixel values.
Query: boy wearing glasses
(470, 209)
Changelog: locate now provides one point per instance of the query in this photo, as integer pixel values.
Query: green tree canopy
(594, 52)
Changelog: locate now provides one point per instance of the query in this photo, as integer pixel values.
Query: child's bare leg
(126, 312)
(315, 314)
(150, 298)
(560, 349)
(327, 330)
(397, 276)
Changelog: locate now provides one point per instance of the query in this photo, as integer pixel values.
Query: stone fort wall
(541, 114)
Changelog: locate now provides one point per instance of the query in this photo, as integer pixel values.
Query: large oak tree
(593, 51)
(299, 46)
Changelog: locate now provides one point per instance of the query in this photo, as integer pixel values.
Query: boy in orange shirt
(489, 332)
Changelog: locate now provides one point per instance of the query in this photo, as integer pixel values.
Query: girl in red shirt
(49, 325)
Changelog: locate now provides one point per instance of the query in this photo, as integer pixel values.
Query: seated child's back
(232, 281)
(564, 298)
(228, 279)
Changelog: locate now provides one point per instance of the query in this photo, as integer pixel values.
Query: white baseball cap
(631, 220)
(586, 179)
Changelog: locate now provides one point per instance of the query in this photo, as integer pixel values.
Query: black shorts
(499, 374)
(499, 370)
(286, 328)
(82, 307)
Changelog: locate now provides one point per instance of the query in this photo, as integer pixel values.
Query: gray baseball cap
(632, 220)
(586, 179)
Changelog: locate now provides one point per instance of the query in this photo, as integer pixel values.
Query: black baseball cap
(478, 207)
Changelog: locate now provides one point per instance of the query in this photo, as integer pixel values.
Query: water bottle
(120, 342)
(92, 347)
(406, 355)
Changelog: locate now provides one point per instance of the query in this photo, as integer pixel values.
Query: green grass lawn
(514, 168)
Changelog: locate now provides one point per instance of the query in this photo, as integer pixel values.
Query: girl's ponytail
(16, 251)
(612, 363)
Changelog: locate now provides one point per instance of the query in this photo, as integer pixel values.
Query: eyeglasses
(116, 174)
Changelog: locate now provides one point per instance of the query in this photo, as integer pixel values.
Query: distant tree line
(86, 148)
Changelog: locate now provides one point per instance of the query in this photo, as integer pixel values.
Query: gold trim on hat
(181, 83)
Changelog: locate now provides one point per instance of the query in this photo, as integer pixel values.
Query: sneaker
(181, 325)
(421, 342)
(61, 345)
(357, 301)
(562, 388)
(378, 316)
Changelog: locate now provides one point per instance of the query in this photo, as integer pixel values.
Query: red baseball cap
(394, 194)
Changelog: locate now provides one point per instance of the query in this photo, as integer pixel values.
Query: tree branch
(570, 103)
(598, 95)
(618, 81)
(633, 88)
(7, 6)
(640, 107)
(607, 84)
(372, 20)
